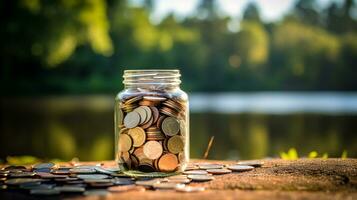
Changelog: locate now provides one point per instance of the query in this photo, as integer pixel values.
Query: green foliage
(293, 155)
(344, 154)
(21, 160)
(313, 154)
(290, 155)
(83, 46)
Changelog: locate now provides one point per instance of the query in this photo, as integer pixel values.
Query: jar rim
(152, 76)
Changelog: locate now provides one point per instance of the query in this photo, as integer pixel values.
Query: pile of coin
(152, 133)
(50, 179)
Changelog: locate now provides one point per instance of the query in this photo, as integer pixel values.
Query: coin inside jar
(175, 144)
(170, 126)
(125, 142)
(132, 119)
(153, 149)
(168, 162)
(138, 135)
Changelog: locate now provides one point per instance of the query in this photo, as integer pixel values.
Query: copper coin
(125, 142)
(168, 162)
(153, 149)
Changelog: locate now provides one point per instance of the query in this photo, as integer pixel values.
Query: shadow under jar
(152, 122)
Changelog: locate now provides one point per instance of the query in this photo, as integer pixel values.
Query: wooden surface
(277, 179)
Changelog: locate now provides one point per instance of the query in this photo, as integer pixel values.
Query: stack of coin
(152, 133)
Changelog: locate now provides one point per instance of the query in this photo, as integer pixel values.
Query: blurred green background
(262, 77)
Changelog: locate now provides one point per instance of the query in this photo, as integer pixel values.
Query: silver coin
(96, 192)
(92, 176)
(132, 119)
(196, 172)
(210, 166)
(200, 178)
(240, 168)
(83, 170)
(108, 171)
(182, 180)
(44, 192)
(123, 182)
(43, 166)
(147, 183)
(22, 174)
(19, 181)
(70, 189)
(219, 171)
(167, 186)
(37, 186)
(253, 163)
(190, 189)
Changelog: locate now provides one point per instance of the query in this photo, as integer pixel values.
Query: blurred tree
(305, 11)
(251, 12)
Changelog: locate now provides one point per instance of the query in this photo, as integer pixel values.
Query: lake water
(245, 125)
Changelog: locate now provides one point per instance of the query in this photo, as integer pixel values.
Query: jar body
(152, 126)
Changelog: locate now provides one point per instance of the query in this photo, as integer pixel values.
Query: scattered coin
(200, 178)
(92, 176)
(240, 168)
(96, 192)
(126, 188)
(196, 172)
(210, 166)
(43, 165)
(44, 192)
(19, 181)
(219, 171)
(251, 163)
(167, 186)
(190, 189)
(70, 189)
(83, 170)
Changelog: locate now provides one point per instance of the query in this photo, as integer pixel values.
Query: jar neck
(152, 79)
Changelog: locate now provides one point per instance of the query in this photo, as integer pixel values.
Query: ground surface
(277, 179)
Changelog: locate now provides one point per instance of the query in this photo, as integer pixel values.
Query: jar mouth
(152, 77)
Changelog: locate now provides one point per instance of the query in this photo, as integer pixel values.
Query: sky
(270, 10)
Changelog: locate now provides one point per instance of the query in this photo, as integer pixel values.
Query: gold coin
(132, 119)
(168, 162)
(125, 142)
(138, 135)
(170, 126)
(142, 112)
(175, 144)
(133, 99)
(152, 150)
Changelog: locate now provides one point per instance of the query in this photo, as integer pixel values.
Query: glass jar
(152, 122)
